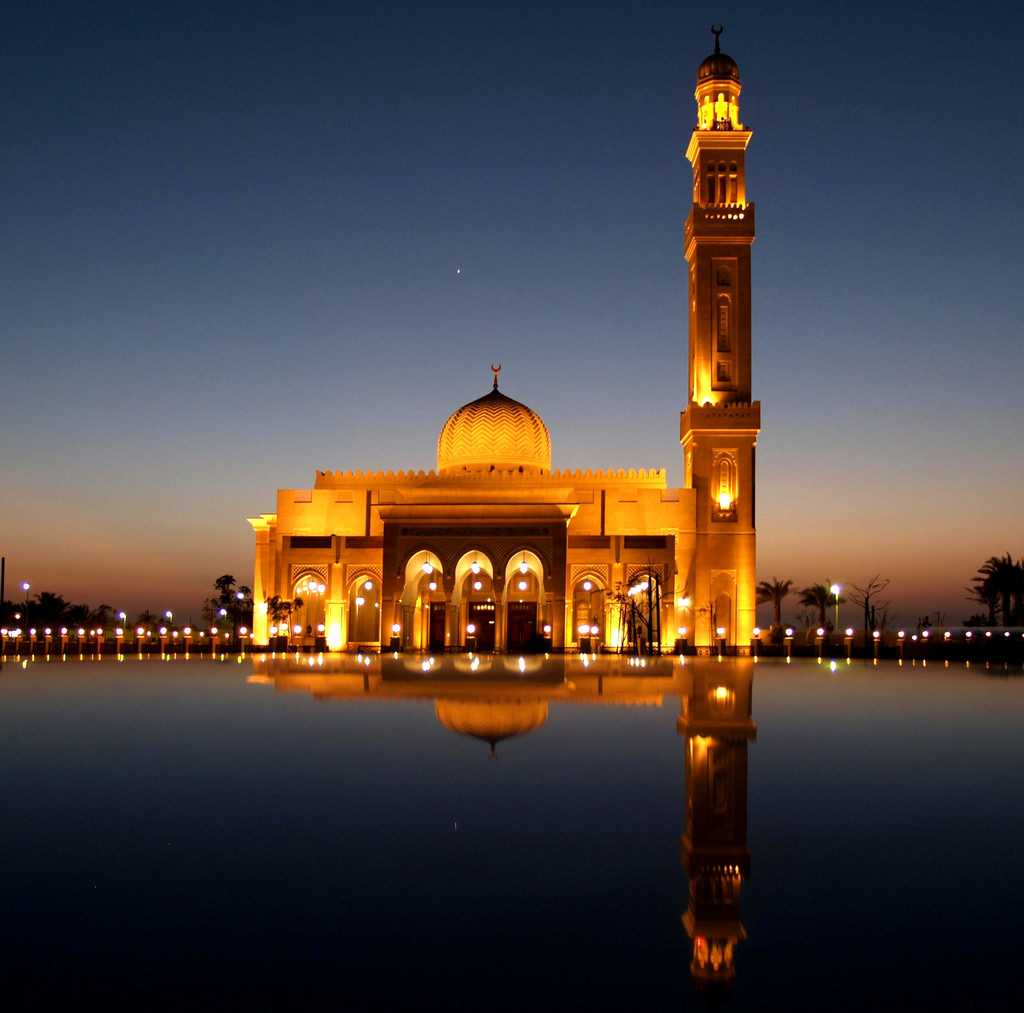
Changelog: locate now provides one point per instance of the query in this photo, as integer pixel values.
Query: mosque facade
(493, 550)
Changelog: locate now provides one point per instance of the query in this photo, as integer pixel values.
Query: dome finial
(716, 31)
(495, 369)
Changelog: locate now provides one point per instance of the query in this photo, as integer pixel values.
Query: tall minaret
(719, 425)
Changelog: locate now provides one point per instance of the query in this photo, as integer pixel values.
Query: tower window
(723, 371)
(724, 343)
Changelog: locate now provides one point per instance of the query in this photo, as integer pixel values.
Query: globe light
(188, 631)
(835, 589)
(593, 631)
(475, 566)
(368, 586)
(296, 628)
(240, 596)
(584, 629)
(523, 567)
(273, 631)
(213, 631)
(477, 585)
(168, 614)
(32, 631)
(968, 634)
(119, 632)
(913, 636)
(988, 633)
(243, 630)
(946, 635)
(547, 628)
(682, 631)
(122, 616)
(428, 569)
(849, 631)
(471, 628)
(175, 634)
(222, 613)
(81, 632)
(25, 585)
(757, 631)
(789, 631)
(720, 631)
(396, 629)
(522, 585)
(821, 631)
(925, 634)
(360, 601)
(432, 585)
(163, 631)
(901, 634)
(48, 631)
(875, 634)
(63, 631)
(320, 627)
(587, 585)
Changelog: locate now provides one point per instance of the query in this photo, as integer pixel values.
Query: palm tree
(999, 579)
(774, 590)
(817, 596)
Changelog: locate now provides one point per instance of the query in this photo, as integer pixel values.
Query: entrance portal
(437, 614)
(522, 626)
(481, 615)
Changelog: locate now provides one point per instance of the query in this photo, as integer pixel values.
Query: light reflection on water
(482, 813)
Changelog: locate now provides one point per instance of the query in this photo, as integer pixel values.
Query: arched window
(724, 337)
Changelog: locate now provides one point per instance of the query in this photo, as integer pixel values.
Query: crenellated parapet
(649, 477)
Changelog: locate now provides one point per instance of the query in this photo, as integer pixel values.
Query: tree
(818, 596)
(865, 597)
(999, 582)
(774, 591)
(279, 609)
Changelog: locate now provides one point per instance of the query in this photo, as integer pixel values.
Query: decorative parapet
(263, 522)
(731, 416)
(655, 477)
(720, 220)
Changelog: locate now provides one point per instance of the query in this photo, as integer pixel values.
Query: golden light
(188, 631)
(821, 631)
(720, 631)
(360, 601)
(522, 585)
(48, 631)
(320, 628)
(396, 629)
(849, 631)
(721, 694)
(273, 631)
(475, 566)
(477, 585)
(243, 630)
(368, 586)
(724, 501)
(593, 631)
(875, 634)
(588, 585)
(63, 631)
(547, 629)
(432, 585)
(428, 568)
(296, 628)
(756, 631)
(213, 631)
(901, 634)
(471, 628)
(584, 629)
(682, 631)
(117, 633)
(139, 631)
(835, 589)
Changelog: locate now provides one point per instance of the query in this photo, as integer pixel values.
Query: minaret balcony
(724, 220)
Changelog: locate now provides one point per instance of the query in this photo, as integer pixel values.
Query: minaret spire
(716, 31)
(495, 369)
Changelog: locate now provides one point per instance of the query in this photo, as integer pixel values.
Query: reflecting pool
(478, 832)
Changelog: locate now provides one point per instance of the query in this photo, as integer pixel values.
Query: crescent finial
(495, 369)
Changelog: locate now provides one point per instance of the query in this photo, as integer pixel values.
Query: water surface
(280, 834)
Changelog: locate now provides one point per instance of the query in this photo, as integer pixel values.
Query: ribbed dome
(491, 720)
(718, 66)
(494, 431)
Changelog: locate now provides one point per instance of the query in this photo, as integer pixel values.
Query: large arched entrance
(474, 601)
(424, 605)
(524, 597)
(364, 610)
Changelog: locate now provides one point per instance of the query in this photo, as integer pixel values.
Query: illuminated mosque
(493, 550)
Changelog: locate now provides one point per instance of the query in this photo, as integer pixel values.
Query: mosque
(495, 551)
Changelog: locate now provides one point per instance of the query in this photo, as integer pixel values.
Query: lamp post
(835, 589)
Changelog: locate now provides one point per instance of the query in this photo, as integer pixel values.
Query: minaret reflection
(716, 724)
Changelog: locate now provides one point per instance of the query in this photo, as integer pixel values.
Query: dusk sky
(233, 236)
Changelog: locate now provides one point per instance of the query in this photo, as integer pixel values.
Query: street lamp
(835, 589)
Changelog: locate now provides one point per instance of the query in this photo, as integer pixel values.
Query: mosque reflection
(498, 697)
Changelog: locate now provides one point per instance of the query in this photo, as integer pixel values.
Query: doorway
(481, 615)
(522, 626)
(435, 641)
